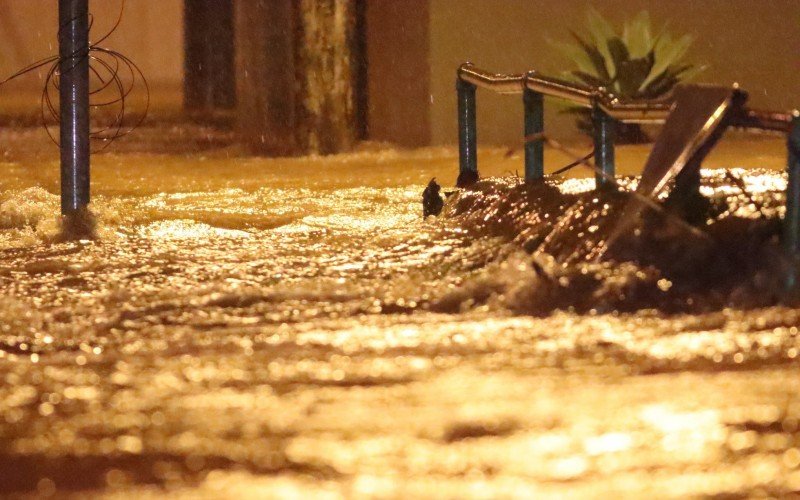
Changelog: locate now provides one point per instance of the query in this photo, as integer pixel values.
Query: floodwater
(242, 327)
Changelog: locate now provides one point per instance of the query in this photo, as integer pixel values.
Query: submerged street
(276, 327)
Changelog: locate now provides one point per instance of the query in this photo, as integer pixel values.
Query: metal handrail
(606, 110)
(624, 110)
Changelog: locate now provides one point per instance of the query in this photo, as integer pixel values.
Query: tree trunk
(297, 75)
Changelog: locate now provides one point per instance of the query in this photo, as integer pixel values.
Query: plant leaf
(670, 78)
(667, 53)
(691, 72)
(634, 64)
(601, 32)
(637, 35)
(659, 86)
(600, 28)
(591, 80)
(598, 61)
(576, 54)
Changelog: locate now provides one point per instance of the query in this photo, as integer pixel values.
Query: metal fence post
(467, 133)
(533, 103)
(603, 126)
(791, 221)
(73, 43)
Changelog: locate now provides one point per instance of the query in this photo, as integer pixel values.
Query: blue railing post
(73, 43)
(533, 103)
(467, 133)
(603, 126)
(791, 221)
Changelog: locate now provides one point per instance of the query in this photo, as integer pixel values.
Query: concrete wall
(150, 34)
(755, 43)
(398, 71)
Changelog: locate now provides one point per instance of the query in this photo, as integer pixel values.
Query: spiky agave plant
(635, 64)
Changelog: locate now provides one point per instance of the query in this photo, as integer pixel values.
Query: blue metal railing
(607, 110)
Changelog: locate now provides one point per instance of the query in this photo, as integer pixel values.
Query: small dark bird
(432, 201)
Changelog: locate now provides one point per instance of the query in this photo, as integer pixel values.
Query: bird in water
(432, 201)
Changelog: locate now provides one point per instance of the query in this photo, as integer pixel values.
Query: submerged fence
(607, 110)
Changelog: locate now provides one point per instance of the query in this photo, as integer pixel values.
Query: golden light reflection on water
(188, 229)
(291, 338)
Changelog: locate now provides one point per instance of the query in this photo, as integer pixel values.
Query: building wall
(398, 92)
(151, 34)
(415, 46)
(755, 43)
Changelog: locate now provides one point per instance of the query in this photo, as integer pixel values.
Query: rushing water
(266, 328)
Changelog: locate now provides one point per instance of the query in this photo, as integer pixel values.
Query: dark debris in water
(732, 258)
(461, 430)
(24, 472)
(432, 202)
(80, 225)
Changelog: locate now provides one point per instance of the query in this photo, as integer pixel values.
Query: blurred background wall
(151, 33)
(398, 51)
(415, 46)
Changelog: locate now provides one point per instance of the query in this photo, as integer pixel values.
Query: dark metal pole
(533, 103)
(603, 147)
(791, 221)
(467, 134)
(73, 43)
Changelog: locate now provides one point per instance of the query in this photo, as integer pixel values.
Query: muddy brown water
(253, 328)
